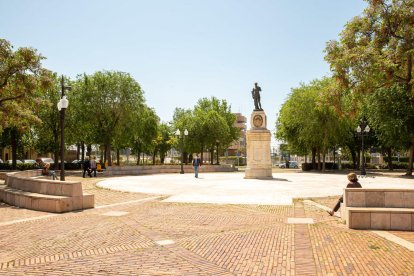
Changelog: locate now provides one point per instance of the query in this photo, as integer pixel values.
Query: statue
(256, 97)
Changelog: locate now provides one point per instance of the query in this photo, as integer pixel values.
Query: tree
(376, 51)
(22, 78)
(391, 115)
(103, 103)
(308, 122)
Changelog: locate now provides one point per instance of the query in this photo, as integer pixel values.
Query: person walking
(353, 183)
(87, 167)
(196, 164)
(93, 166)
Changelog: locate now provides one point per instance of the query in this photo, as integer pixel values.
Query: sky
(183, 50)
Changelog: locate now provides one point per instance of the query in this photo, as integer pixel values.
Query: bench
(30, 190)
(379, 209)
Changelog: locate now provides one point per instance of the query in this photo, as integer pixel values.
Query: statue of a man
(256, 97)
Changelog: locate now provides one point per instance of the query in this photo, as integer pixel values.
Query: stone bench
(380, 209)
(160, 169)
(29, 190)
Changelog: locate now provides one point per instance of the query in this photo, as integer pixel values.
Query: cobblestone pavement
(126, 236)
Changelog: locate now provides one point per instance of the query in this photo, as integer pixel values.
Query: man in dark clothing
(196, 164)
(353, 183)
(86, 167)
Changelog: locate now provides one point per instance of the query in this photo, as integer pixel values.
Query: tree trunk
(201, 153)
(77, 151)
(83, 151)
(359, 159)
(389, 153)
(411, 159)
(154, 154)
(353, 155)
(319, 160)
(323, 160)
(105, 154)
(138, 157)
(89, 150)
(212, 156)
(108, 154)
(13, 135)
(117, 157)
(314, 158)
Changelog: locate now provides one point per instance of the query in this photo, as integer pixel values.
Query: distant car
(292, 164)
(77, 161)
(11, 161)
(1, 161)
(29, 161)
(47, 160)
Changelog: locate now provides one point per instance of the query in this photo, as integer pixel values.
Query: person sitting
(353, 183)
(47, 172)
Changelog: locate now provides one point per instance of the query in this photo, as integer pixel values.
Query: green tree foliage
(21, 79)
(375, 51)
(308, 121)
(210, 125)
(102, 104)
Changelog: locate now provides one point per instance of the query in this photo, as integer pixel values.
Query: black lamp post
(363, 130)
(178, 133)
(62, 105)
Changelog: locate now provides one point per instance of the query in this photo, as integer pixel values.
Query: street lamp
(363, 130)
(62, 105)
(178, 133)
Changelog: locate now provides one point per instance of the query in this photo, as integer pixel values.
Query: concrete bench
(29, 190)
(380, 209)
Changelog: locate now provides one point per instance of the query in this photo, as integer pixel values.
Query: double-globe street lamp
(363, 130)
(62, 105)
(178, 133)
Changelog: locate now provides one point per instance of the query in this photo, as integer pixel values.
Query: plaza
(165, 230)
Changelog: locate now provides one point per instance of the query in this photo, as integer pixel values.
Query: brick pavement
(202, 239)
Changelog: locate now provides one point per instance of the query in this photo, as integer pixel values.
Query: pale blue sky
(183, 50)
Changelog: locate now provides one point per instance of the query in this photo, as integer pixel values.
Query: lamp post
(363, 130)
(62, 105)
(178, 133)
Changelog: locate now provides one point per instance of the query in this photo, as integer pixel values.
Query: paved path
(139, 234)
(232, 188)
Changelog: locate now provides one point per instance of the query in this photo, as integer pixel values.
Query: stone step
(43, 202)
(380, 218)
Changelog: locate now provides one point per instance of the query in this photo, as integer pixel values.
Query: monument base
(258, 173)
(259, 164)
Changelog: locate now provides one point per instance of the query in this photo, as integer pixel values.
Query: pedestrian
(353, 183)
(196, 164)
(87, 167)
(47, 172)
(93, 166)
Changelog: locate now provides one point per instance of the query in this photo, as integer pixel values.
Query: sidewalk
(139, 234)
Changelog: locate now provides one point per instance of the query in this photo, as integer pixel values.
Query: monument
(259, 164)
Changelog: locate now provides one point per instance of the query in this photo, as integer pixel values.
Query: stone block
(400, 221)
(43, 187)
(394, 199)
(375, 199)
(380, 221)
(77, 203)
(412, 222)
(67, 189)
(63, 205)
(409, 199)
(359, 220)
(88, 201)
(355, 199)
(76, 189)
(51, 189)
(35, 204)
(57, 188)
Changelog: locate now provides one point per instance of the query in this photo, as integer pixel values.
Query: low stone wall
(27, 189)
(158, 169)
(381, 209)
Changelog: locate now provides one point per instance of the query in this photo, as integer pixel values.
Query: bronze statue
(256, 97)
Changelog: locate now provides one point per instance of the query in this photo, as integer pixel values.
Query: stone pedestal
(259, 164)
